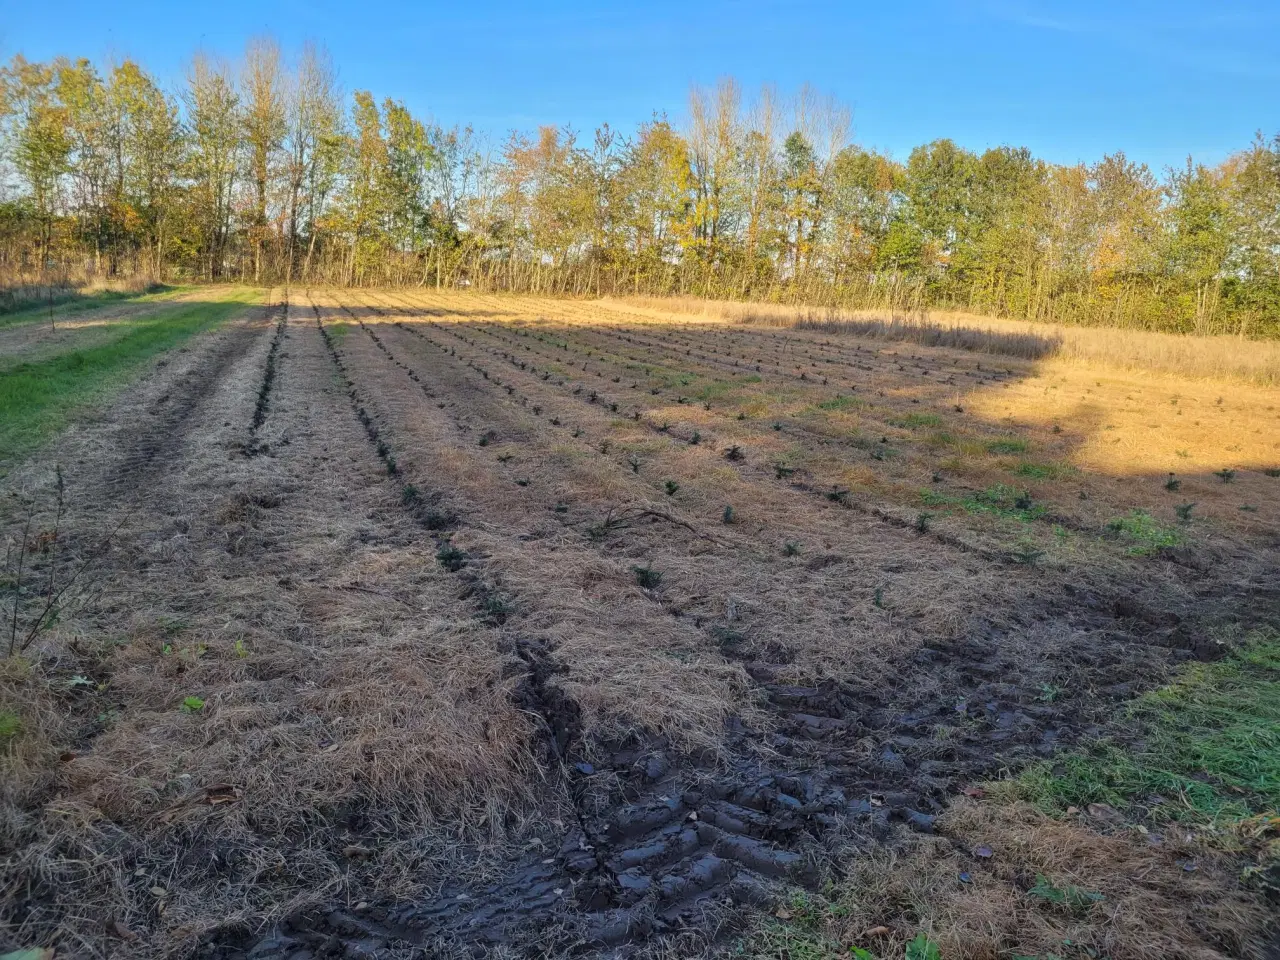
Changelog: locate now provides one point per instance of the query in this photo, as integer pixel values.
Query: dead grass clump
(245, 781)
(422, 726)
(31, 724)
(1005, 880)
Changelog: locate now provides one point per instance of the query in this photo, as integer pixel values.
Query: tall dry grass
(25, 292)
(1217, 357)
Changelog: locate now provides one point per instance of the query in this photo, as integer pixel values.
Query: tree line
(266, 171)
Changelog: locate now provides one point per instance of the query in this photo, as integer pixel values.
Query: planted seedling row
(1032, 512)
(269, 372)
(734, 455)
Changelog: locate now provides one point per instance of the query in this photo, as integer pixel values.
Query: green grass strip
(38, 399)
(1207, 748)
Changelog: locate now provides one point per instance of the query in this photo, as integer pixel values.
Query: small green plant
(1248, 508)
(1172, 484)
(1183, 511)
(496, 606)
(647, 577)
(10, 726)
(922, 948)
(488, 437)
(1038, 471)
(1007, 445)
(1026, 555)
(600, 530)
(840, 402)
(1049, 692)
(1142, 529)
(450, 557)
(790, 549)
(912, 420)
(1071, 897)
(728, 516)
(782, 471)
(877, 598)
(1226, 475)
(838, 496)
(696, 438)
(735, 454)
(1004, 501)
(437, 520)
(1271, 471)
(923, 520)
(634, 461)
(192, 705)
(410, 495)
(671, 487)
(240, 649)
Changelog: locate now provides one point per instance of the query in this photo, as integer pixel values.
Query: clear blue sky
(1071, 80)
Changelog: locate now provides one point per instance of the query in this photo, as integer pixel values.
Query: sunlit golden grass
(1136, 424)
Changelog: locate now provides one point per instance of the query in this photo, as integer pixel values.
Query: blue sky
(1070, 80)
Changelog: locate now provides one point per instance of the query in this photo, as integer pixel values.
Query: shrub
(647, 577)
(450, 557)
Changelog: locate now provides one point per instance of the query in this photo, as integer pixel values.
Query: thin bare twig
(17, 582)
(54, 598)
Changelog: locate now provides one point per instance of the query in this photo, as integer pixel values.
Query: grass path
(37, 399)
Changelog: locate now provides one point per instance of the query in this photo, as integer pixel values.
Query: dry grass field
(399, 623)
